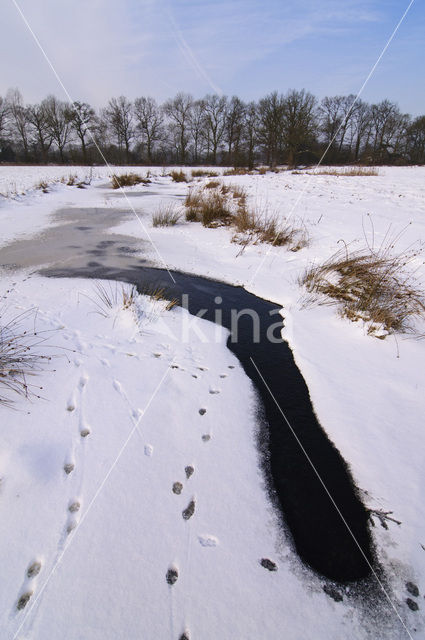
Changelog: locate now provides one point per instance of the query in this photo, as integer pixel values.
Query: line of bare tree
(292, 129)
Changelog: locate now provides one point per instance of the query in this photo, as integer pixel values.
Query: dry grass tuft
(212, 184)
(159, 294)
(209, 206)
(166, 215)
(179, 176)
(254, 226)
(349, 172)
(42, 186)
(239, 171)
(369, 285)
(19, 357)
(127, 180)
(111, 296)
(200, 173)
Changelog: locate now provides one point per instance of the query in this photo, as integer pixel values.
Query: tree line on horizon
(293, 128)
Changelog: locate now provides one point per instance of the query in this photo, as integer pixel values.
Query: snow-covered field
(111, 376)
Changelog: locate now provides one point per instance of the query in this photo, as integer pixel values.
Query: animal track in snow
(202, 368)
(189, 470)
(74, 506)
(214, 391)
(223, 375)
(148, 450)
(105, 362)
(172, 575)
(208, 541)
(202, 412)
(185, 635)
(34, 569)
(82, 382)
(84, 432)
(189, 511)
(71, 404)
(206, 437)
(231, 366)
(68, 467)
(23, 600)
(177, 488)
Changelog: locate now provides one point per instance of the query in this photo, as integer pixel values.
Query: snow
(110, 581)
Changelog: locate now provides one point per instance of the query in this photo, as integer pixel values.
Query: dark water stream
(79, 247)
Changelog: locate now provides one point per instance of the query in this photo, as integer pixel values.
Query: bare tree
(215, 121)
(235, 121)
(19, 121)
(4, 116)
(58, 115)
(389, 125)
(37, 115)
(250, 131)
(178, 111)
(299, 123)
(416, 140)
(197, 128)
(270, 126)
(83, 121)
(119, 116)
(149, 119)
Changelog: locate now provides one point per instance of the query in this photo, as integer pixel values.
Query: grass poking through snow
(166, 215)
(369, 285)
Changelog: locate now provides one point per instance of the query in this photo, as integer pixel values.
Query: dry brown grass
(179, 176)
(348, 172)
(42, 186)
(166, 215)
(368, 285)
(127, 180)
(225, 204)
(201, 173)
(20, 359)
(207, 206)
(254, 226)
(159, 294)
(239, 171)
(212, 184)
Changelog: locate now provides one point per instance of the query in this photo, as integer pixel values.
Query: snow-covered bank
(369, 400)
(122, 397)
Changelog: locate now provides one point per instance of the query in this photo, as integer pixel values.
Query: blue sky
(102, 48)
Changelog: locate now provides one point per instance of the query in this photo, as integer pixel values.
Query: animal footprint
(177, 488)
(206, 437)
(230, 366)
(214, 391)
(189, 470)
(172, 575)
(189, 511)
(84, 432)
(82, 382)
(185, 635)
(268, 564)
(74, 507)
(34, 569)
(68, 467)
(23, 600)
(223, 375)
(202, 412)
(148, 450)
(208, 541)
